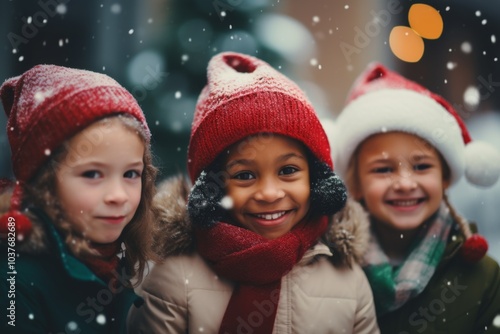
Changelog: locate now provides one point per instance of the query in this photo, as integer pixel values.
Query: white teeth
(406, 202)
(272, 216)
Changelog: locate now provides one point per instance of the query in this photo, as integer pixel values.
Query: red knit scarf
(105, 265)
(256, 265)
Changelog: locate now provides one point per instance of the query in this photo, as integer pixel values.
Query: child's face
(269, 184)
(99, 181)
(400, 179)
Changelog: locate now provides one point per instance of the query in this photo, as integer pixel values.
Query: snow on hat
(383, 101)
(245, 96)
(46, 106)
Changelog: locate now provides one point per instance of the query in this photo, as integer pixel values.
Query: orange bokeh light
(425, 20)
(406, 44)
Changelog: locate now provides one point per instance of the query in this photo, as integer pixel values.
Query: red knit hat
(46, 106)
(245, 96)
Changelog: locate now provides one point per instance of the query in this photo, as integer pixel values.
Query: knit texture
(394, 286)
(48, 104)
(384, 101)
(245, 96)
(255, 264)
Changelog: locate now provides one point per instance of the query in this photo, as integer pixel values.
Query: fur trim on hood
(36, 241)
(347, 236)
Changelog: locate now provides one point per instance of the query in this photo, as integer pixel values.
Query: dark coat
(459, 299)
(55, 292)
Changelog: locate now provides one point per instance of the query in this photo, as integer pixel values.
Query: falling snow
(101, 319)
(116, 8)
(72, 326)
(472, 96)
(466, 47)
(61, 9)
(227, 202)
(451, 65)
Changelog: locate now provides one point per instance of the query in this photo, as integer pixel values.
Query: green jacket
(460, 299)
(51, 291)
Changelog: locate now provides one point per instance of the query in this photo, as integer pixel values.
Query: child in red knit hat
(402, 146)
(75, 226)
(257, 250)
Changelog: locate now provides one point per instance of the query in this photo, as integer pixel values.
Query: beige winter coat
(184, 295)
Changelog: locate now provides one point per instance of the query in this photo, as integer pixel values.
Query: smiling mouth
(271, 216)
(406, 202)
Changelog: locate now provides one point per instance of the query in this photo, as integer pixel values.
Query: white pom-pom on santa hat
(384, 101)
(482, 164)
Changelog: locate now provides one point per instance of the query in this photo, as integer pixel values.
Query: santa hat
(245, 96)
(384, 101)
(46, 106)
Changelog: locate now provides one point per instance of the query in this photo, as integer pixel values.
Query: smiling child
(399, 148)
(257, 249)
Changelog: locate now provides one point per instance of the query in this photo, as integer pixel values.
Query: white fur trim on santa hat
(404, 110)
(482, 163)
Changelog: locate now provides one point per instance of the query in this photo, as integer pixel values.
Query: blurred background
(159, 49)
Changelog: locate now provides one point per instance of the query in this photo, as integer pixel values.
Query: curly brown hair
(137, 236)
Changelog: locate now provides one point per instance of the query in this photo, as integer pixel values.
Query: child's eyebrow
(248, 162)
(421, 156)
(235, 162)
(285, 157)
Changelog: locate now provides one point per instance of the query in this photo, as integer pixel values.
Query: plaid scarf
(256, 265)
(394, 286)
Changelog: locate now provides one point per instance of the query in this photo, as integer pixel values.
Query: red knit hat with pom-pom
(46, 106)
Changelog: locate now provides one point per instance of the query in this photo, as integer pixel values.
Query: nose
(269, 190)
(116, 193)
(404, 182)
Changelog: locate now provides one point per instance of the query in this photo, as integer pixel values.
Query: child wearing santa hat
(75, 226)
(256, 250)
(399, 147)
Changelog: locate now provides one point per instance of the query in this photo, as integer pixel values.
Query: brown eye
(132, 174)
(288, 170)
(382, 170)
(244, 176)
(91, 174)
(422, 166)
